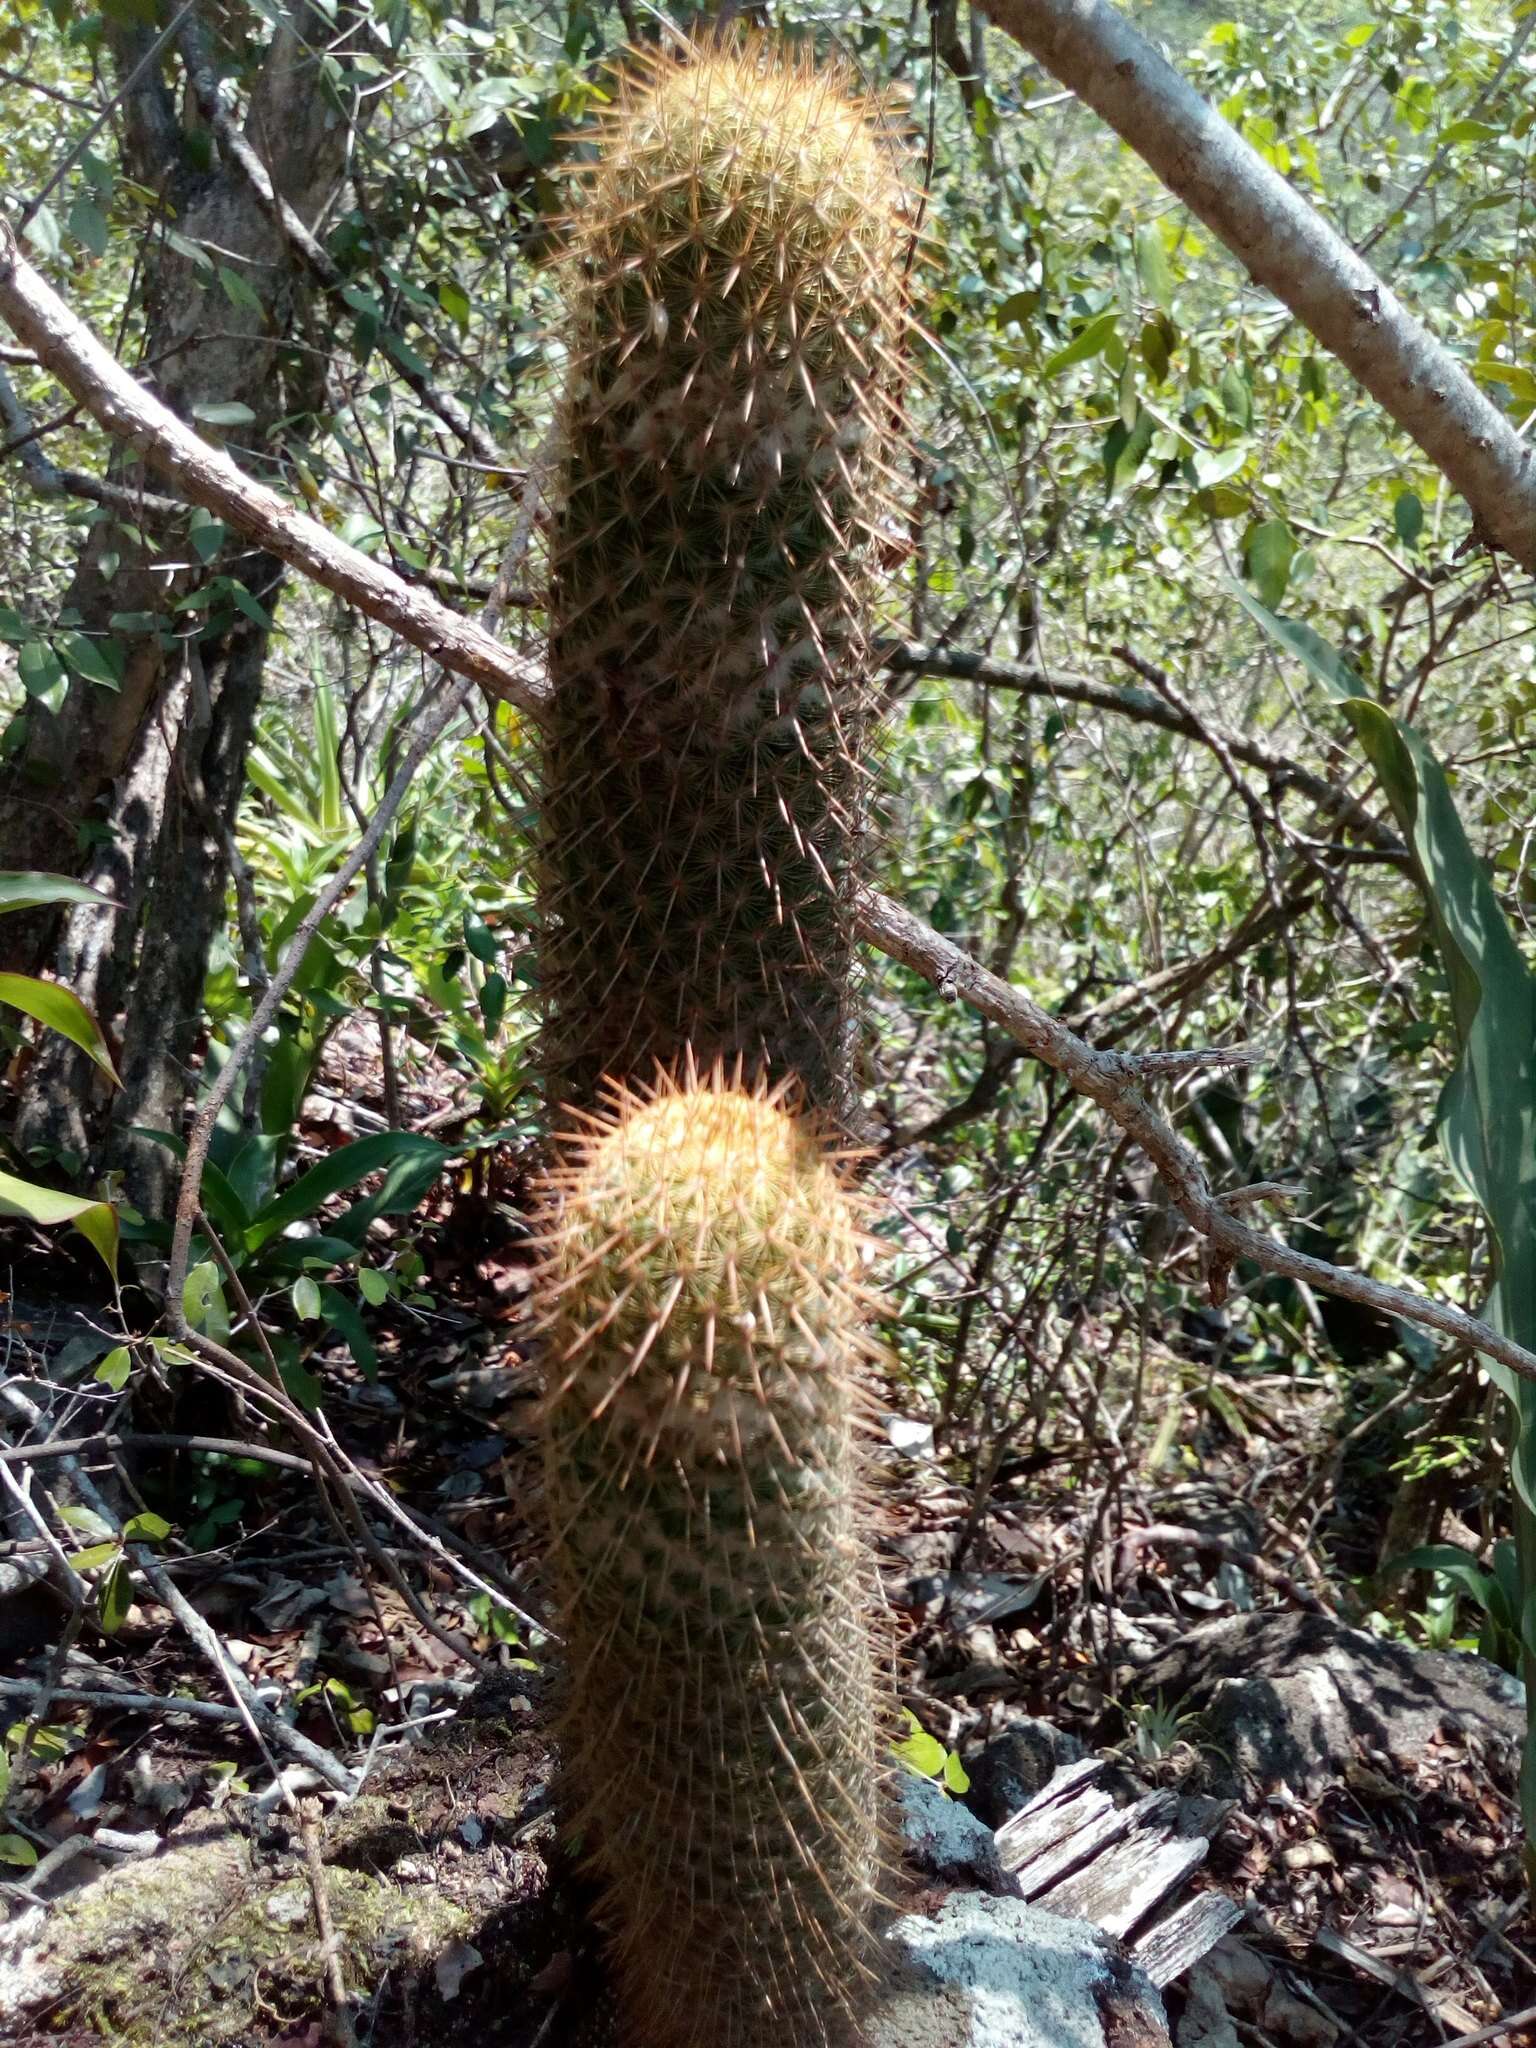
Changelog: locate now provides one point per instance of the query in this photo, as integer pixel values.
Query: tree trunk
(97, 766)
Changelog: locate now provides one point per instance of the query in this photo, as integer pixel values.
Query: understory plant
(706, 1325)
(1487, 1115)
(735, 285)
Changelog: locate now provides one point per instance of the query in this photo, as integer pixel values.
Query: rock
(1205, 2022)
(945, 1840)
(1010, 1768)
(1250, 1986)
(1293, 1698)
(995, 1973)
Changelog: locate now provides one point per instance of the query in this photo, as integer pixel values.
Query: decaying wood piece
(1074, 1852)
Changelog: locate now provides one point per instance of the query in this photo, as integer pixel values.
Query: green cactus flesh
(735, 293)
(722, 1736)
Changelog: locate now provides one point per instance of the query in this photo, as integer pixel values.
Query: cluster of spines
(735, 283)
(707, 1326)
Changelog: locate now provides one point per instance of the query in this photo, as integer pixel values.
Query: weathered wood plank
(1176, 1944)
(1084, 1844)
(1128, 1881)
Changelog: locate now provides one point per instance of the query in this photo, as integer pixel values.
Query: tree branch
(73, 355)
(913, 657)
(1289, 248)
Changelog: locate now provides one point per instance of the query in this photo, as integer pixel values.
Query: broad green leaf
(96, 1555)
(1152, 265)
(306, 1299)
(1309, 647)
(1215, 465)
(96, 1221)
(88, 224)
(1091, 341)
(115, 1368)
(99, 661)
(1270, 552)
(1408, 517)
(202, 1301)
(26, 891)
(225, 412)
(146, 1528)
(15, 1849)
(921, 1752)
(115, 1598)
(406, 1160)
(373, 1286)
(343, 1315)
(62, 1011)
(956, 1777)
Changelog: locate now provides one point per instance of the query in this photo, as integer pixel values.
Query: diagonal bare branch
(1286, 246)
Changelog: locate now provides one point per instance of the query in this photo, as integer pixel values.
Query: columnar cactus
(735, 286)
(722, 1736)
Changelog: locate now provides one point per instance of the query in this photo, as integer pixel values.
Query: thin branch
(1287, 247)
(1113, 1081)
(912, 657)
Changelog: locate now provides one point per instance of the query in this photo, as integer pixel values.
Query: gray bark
(95, 759)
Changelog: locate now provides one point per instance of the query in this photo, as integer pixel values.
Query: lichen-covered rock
(945, 1840)
(189, 1950)
(996, 1973)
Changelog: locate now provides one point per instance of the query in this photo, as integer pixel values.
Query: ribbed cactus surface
(735, 301)
(722, 1738)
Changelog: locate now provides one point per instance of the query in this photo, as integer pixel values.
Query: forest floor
(1386, 1902)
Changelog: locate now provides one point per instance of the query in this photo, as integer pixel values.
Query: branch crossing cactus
(735, 285)
(723, 1739)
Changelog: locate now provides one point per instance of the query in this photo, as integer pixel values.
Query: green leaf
(918, 1750)
(238, 290)
(115, 1368)
(207, 534)
(225, 412)
(42, 674)
(1309, 648)
(96, 1555)
(1152, 265)
(26, 891)
(373, 1286)
(15, 1849)
(454, 301)
(62, 1011)
(1215, 465)
(305, 1294)
(956, 1776)
(202, 1301)
(1270, 551)
(88, 224)
(493, 1002)
(146, 1528)
(114, 1598)
(1091, 341)
(342, 1315)
(99, 661)
(402, 1156)
(1408, 517)
(96, 1221)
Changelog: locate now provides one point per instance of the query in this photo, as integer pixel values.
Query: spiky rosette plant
(735, 289)
(722, 1738)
